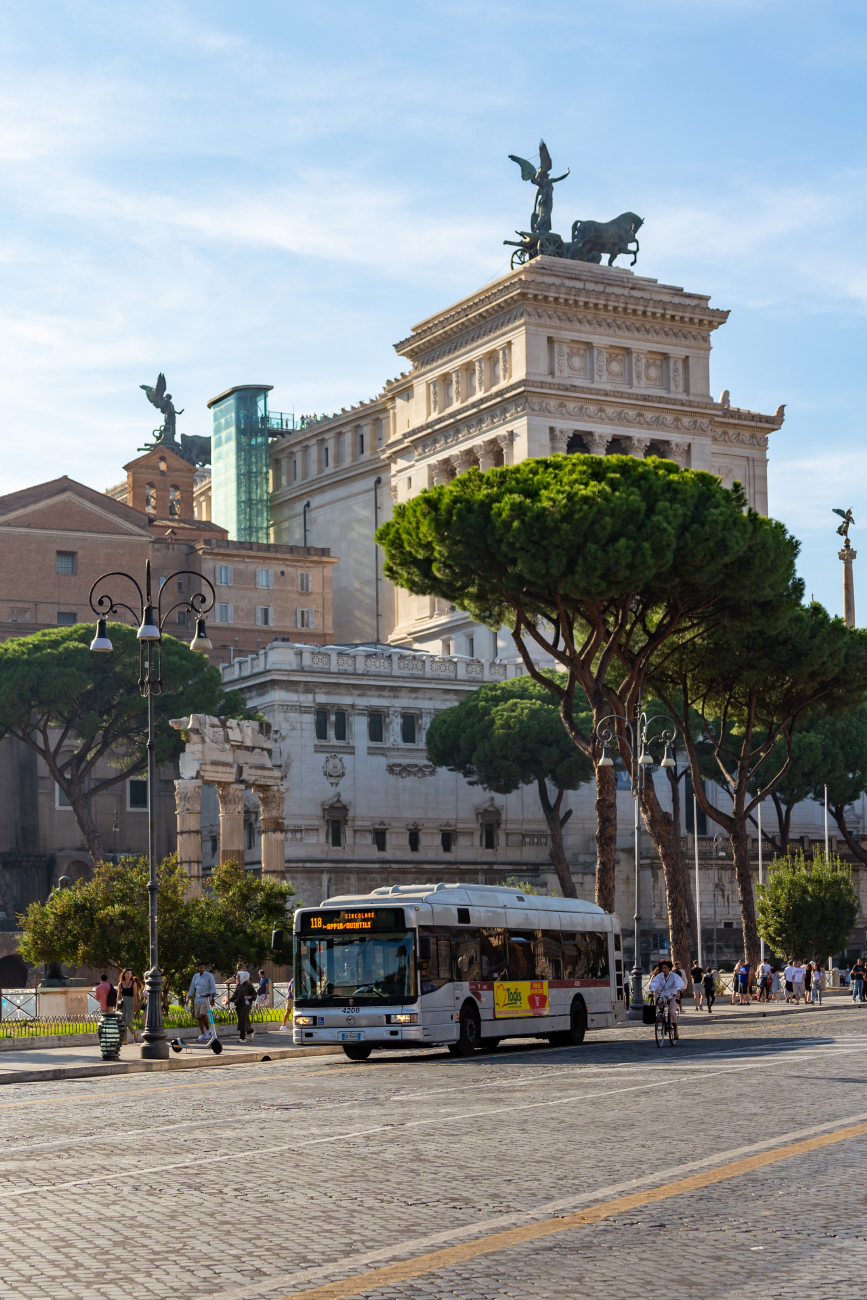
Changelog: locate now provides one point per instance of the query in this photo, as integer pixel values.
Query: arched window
(174, 502)
(150, 499)
(163, 467)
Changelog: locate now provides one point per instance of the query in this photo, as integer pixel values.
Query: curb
(209, 1062)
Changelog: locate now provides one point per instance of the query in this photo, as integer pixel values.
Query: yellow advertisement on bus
(520, 998)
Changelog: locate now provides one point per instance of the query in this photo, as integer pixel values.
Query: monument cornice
(584, 288)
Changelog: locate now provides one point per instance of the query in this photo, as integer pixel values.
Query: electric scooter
(179, 1044)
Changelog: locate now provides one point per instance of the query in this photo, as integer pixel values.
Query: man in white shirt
(789, 975)
(764, 974)
(798, 981)
(667, 984)
(203, 990)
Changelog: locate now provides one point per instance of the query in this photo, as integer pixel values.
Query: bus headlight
(404, 1018)
(305, 1020)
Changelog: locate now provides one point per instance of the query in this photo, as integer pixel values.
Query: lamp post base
(636, 998)
(154, 1044)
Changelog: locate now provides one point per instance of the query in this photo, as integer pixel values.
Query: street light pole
(151, 622)
(718, 839)
(697, 890)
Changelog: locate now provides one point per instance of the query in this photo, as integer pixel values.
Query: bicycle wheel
(659, 1027)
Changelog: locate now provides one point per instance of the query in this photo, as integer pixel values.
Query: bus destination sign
(333, 921)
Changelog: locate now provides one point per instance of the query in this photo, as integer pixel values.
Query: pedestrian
(709, 987)
(744, 984)
(203, 991)
(111, 999)
(763, 971)
(666, 983)
(262, 992)
(697, 975)
(808, 980)
(798, 982)
(735, 981)
(243, 999)
(789, 976)
(128, 992)
(844, 977)
(101, 991)
(627, 989)
(817, 984)
(290, 1002)
(776, 987)
(856, 979)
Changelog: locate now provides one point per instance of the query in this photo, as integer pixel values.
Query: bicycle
(663, 1025)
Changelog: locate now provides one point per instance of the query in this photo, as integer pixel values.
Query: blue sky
(276, 192)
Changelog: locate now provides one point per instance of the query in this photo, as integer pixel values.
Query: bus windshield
(369, 969)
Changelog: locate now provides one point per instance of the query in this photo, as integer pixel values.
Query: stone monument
(848, 556)
(232, 755)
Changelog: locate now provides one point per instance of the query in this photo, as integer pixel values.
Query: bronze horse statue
(591, 239)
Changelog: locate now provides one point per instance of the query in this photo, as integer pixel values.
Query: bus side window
(465, 955)
(493, 953)
(549, 957)
(597, 956)
(435, 959)
(522, 961)
(616, 942)
(573, 956)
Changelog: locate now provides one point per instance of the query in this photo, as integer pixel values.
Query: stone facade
(554, 357)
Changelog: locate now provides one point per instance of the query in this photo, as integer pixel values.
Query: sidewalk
(84, 1061)
(723, 1009)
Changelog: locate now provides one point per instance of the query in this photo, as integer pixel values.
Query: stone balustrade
(287, 656)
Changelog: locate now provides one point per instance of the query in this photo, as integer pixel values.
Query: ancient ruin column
(272, 806)
(188, 802)
(231, 797)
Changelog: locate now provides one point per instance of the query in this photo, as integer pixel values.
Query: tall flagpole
(759, 815)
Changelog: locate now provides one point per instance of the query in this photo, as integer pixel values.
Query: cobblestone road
(293, 1178)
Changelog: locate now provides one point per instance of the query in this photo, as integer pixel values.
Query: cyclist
(666, 983)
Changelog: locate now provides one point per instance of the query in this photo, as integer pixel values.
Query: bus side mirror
(277, 940)
(424, 947)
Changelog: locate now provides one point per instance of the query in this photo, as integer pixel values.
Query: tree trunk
(666, 836)
(606, 836)
(740, 843)
(839, 815)
(557, 853)
(689, 899)
(92, 837)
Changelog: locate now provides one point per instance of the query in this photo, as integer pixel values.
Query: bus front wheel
(470, 1035)
(357, 1051)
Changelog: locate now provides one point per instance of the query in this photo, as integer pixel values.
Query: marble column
(489, 455)
(188, 803)
(676, 451)
(231, 797)
(272, 807)
(466, 459)
(847, 555)
(506, 441)
(637, 445)
(597, 443)
(443, 471)
(559, 441)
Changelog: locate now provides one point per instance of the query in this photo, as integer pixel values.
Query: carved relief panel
(654, 370)
(577, 359)
(615, 366)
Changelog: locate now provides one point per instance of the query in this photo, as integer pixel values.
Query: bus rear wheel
(357, 1051)
(574, 1035)
(470, 1032)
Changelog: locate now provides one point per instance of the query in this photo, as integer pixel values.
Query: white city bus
(457, 965)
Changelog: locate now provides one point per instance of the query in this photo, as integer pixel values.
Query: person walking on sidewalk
(203, 991)
(286, 1026)
(798, 982)
(735, 974)
(744, 985)
(776, 987)
(101, 992)
(709, 986)
(789, 976)
(856, 979)
(243, 999)
(128, 993)
(808, 980)
(697, 975)
(817, 984)
(262, 991)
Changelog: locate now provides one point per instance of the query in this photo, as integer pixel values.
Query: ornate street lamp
(151, 620)
(635, 736)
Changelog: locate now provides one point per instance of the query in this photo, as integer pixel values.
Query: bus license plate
(350, 1036)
